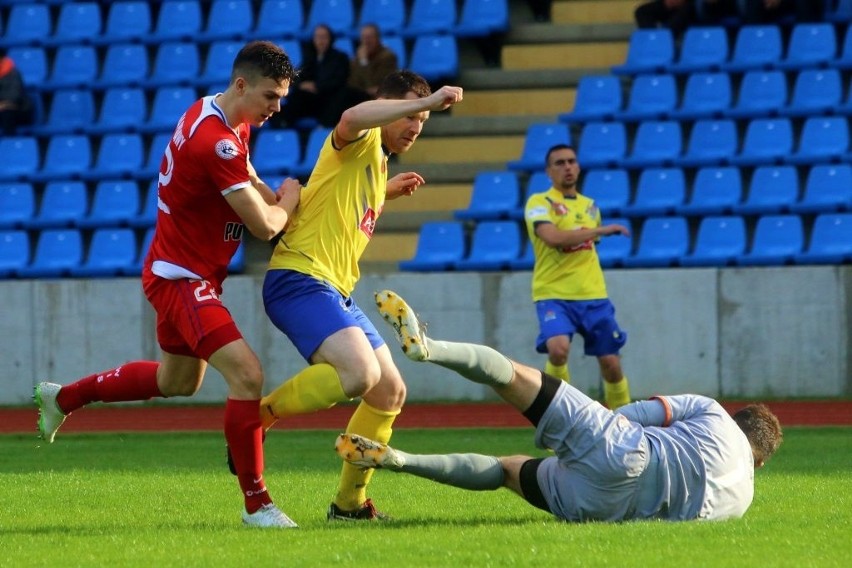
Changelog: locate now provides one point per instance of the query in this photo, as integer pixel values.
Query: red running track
(149, 418)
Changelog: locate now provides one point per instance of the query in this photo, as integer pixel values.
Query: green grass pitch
(168, 500)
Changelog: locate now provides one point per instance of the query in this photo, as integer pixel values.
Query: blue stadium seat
(610, 188)
(494, 245)
(17, 204)
(215, 71)
(127, 20)
(31, 61)
(539, 138)
(27, 24)
(114, 204)
(346, 45)
(276, 152)
(176, 63)
(537, 182)
(388, 15)
(77, 22)
(652, 97)
(316, 139)
(73, 66)
(480, 18)
(148, 214)
(494, 196)
(177, 20)
(57, 252)
(71, 110)
(649, 51)
(167, 107)
(756, 47)
(773, 189)
(659, 191)
(816, 91)
(612, 250)
(435, 57)
(279, 19)
(777, 239)
(844, 57)
(14, 252)
(112, 252)
(711, 142)
(228, 19)
(293, 48)
(120, 155)
(397, 45)
(136, 268)
(122, 110)
(715, 191)
(21, 157)
(527, 259)
(830, 242)
(828, 188)
(602, 144)
(702, 49)
(811, 45)
(720, 241)
(125, 65)
(63, 204)
(154, 155)
(339, 15)
(238, 261)
(838, 11)
(657, 143)
(823, 139)
(68, 156)
(441, 244)
(761, 93)
(767, 141)
(706, 95)
(598, 98)
(430, 17)
(662, 243)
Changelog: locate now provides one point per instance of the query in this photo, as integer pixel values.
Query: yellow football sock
(374, 424)
(560, 372)
(617, 394)
(314, 388)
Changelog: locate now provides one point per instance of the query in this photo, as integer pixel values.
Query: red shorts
(191, 320)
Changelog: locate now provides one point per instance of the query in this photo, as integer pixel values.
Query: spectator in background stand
(321, 80)
(768, 11)
(541, 9)
(371, 64)
(16, 108)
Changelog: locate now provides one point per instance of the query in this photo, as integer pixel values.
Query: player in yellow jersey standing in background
(568, 285)
(307, 290)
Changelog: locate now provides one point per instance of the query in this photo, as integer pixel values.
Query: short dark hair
(762, 429)
(263, 59)
(556, 148)
(399, 83)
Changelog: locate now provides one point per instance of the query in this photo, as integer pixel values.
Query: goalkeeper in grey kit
(676, 457)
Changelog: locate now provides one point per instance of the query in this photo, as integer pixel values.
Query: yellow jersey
(570, 273)
(337, 213)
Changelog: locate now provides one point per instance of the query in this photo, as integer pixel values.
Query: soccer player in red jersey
(208, 194)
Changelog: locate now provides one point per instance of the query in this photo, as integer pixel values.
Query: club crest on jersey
(368, 222)
(226, 149)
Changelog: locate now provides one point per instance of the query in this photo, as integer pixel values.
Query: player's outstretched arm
(264, 221)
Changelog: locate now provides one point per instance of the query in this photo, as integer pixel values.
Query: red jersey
(197, 232)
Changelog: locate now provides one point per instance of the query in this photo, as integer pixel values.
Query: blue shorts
(308, 310)
(594, 320)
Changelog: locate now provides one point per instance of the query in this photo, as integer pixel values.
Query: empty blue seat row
(710, 95)
(185, 20)
(663, 242)
(756, 47)
(714, 142)
(664, 191)
(59, 253)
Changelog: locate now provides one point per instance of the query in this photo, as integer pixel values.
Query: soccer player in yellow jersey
(307, 290)
(568, 286)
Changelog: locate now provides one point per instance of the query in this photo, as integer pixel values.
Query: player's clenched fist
(445, 97)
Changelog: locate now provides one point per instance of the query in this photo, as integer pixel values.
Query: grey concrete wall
(762, 332)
